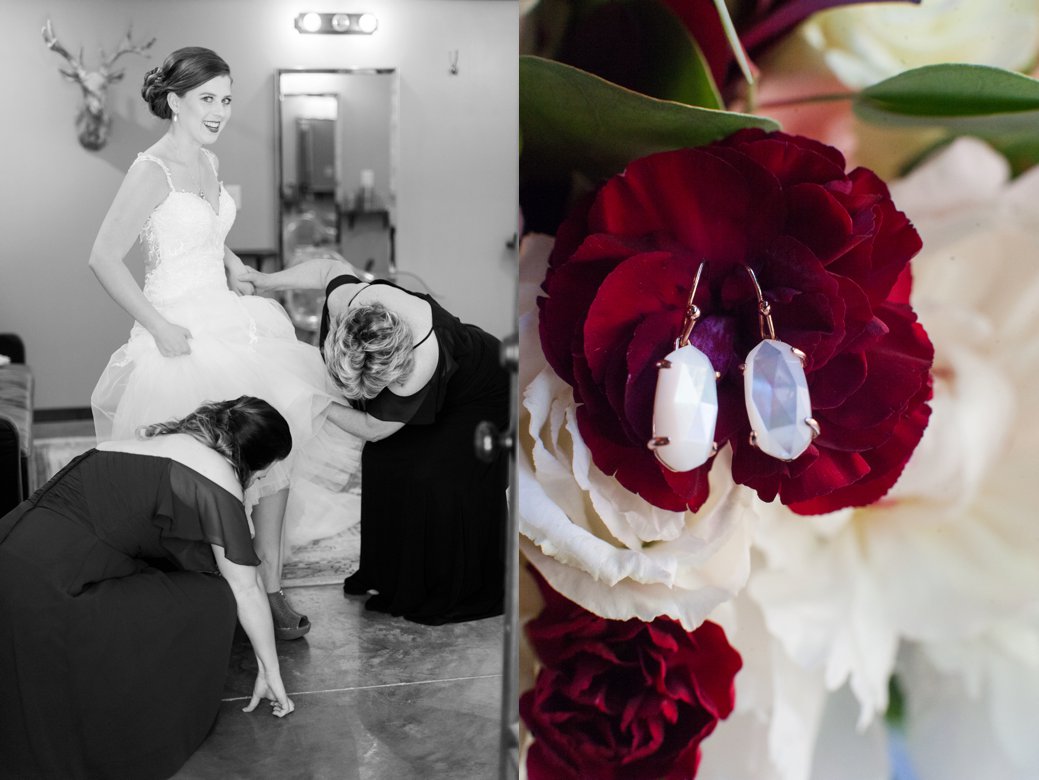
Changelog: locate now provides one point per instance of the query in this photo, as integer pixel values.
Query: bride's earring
(776, 391)
(685, 405)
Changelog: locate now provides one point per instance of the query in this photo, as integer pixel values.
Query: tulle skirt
(240, 345)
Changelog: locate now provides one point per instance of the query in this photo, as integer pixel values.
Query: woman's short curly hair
(367, 349)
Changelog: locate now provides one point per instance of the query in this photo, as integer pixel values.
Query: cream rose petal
(864, 44)
(842, 751)
(951, 551)
(595, 542)
(826, 609)
(971, 706)
(771, 734)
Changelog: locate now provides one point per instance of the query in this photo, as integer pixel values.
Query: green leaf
(896, 708)
(641, 45)
(572, 121)
(1020, 149)
(950, 91)
(999, 106)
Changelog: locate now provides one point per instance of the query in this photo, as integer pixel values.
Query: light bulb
(311, 22)
(368, 23)
(340, 22)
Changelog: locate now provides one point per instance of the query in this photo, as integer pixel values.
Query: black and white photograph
(257, 328)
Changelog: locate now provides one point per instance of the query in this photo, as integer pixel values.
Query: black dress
(433, 516)
(115, 628)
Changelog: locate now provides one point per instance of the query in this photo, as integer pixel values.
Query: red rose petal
(898, 366)
(831, 385)
(692, 487)
(615, 382)
(642, 717)
(645, 200)
(571, 233)
(791, 159)
(858, 314)
(887, 462)
(642, 285)
(819, 221)
(716, 690)
(651, 342)
(571, 291)
(765, 222)
(635, 469)
(902, 288)
(597, 407)
(831, 470)
(831, 252)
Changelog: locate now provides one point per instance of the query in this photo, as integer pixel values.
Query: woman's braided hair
(249, 432)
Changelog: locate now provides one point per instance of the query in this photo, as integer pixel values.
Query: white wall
(457, 172)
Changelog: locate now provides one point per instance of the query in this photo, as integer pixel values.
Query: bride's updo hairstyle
(248, 431)
(182, 71)
(367, 349)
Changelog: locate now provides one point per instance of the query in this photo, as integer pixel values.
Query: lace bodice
(184, 237)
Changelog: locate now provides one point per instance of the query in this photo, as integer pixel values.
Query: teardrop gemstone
(778, 404)
(685, 409)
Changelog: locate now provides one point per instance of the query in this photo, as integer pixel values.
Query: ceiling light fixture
(312, 22)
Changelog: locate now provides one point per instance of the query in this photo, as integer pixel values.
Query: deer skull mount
(93, 120)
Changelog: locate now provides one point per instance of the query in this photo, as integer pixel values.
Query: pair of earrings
(685, 404)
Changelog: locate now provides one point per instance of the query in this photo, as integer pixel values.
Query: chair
(16, 408)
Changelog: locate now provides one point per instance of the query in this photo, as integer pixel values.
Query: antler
(126, 46)
(78, 73)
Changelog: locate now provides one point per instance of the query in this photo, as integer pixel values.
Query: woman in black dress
(120, 581)
(419, 381)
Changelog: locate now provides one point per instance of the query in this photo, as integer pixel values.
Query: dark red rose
(622, 700)
(831, 253)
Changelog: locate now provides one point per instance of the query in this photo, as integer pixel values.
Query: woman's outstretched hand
(252, 277)
(172, 340)
(237, 280)
(274, 691)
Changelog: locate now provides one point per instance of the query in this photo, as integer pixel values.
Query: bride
(199, 334)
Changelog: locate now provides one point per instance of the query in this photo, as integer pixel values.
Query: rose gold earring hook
(692, 313)
(764, 309)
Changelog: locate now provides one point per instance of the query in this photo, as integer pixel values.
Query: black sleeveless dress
(433, 516)
(115, 627)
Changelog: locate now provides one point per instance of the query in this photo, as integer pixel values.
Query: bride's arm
(236, 273)
(142, 190)
(308, 275)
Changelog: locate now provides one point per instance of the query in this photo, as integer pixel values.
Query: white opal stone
(778, 404)
(685, 409)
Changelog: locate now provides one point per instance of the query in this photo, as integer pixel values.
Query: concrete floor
(376, 697)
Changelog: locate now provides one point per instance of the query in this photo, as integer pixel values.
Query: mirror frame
(279, 162)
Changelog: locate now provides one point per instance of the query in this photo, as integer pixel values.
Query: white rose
(864, 44)
(952, 550)
(971, 705)
(596, 543)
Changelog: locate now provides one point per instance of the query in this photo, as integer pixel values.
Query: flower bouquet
(778, 412)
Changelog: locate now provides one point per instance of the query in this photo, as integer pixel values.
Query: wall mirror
(336, 157)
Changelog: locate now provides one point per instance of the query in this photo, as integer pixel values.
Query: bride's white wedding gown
(240, 345)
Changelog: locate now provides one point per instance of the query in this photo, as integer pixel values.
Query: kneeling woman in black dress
(120, 580)
(433, 516)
